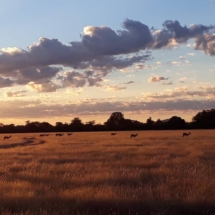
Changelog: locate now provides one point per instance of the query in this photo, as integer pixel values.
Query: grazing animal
(59, 134)
(6, 137)
(133, 135)
(113, 133)
(69, 134)
(186, 134)
(42, 135)
(47, 134)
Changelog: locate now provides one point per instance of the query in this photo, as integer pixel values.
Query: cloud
(182, 57)
(43, 87)
(78, 79)
(189, 45)
(139, 66)
(130, 82)
(74, 93)
(182, 80)
(174, 63)
(157, 79)
(206, 42)
(182, 34)
(29, 109)
(10, 51)
(97, 42)
(100, 49)
(174, 33)
(103, 40)
(6, 82)
(115, 88)
(15, 93)
(182, 93)
(108, 63)
(167, 83)
(37, 75)
(191, 54)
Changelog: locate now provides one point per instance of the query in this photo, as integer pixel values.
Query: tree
(205, 119)
(158, 124)
(76, 124)
(89, 126)
(59, 124)
(76, 121)
(115, 121)
(33, 126)
(27, 122)
(176, 122)
(91, 123)
(149, 123)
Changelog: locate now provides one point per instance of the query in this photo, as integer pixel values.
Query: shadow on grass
(27, 142)
(124, 145)
(68, 184)
(90, 157)
(63, 161)
(67, 206)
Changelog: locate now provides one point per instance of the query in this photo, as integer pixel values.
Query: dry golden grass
(158, 172)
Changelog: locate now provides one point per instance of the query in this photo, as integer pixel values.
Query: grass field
(156, 173)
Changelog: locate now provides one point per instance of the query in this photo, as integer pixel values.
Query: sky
(87, 59)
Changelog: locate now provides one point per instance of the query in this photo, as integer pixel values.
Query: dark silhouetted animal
(186, 134)
(6, 137)
(113, 133)
(133, 135)
(59, 134)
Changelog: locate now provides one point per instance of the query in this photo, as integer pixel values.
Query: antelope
(113, 133)
(47, 135)
(59, 134)
(42, 135)
(133, 135)
(69, 134)
(186, 134)
(6, 137)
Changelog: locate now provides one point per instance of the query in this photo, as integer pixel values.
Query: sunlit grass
(158, 172)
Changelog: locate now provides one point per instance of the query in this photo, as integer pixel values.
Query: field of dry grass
(156, 173)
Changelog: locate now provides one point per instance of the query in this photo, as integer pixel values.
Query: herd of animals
(69, 134)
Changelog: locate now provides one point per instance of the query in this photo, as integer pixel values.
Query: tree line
(116, 122)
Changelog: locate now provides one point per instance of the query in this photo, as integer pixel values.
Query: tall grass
(158, 172)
